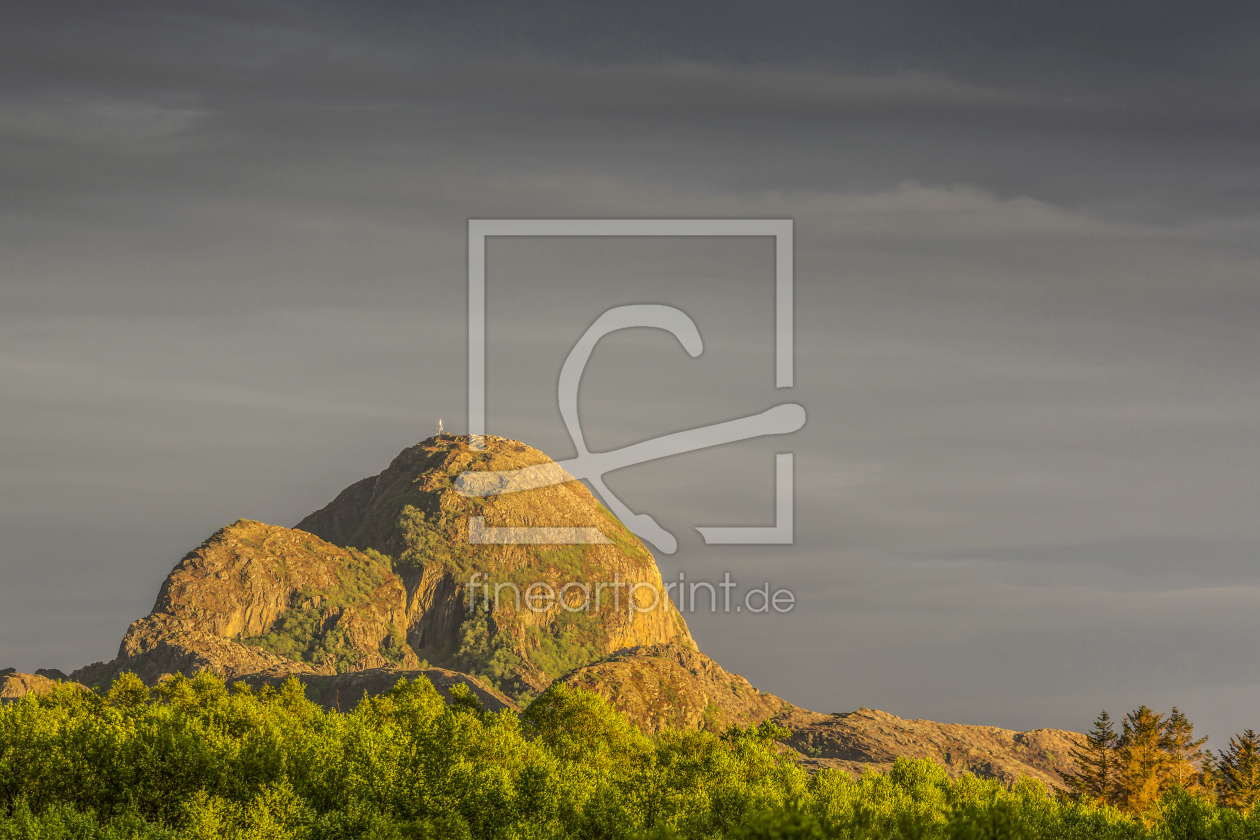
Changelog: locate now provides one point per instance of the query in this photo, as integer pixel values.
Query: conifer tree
(1240, 772)
(1210, 777)
(1144, 763)
(1096, 763)
(1184, 752)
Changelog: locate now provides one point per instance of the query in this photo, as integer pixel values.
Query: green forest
(201, 759)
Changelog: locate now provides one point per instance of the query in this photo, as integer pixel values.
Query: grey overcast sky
(232, 281)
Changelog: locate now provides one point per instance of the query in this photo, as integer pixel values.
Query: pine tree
(1096, 763)
(1210, 777)
(1183, 750)
(1240, 772)
(1144, 764)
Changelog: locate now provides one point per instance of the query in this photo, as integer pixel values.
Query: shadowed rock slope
(343, 692)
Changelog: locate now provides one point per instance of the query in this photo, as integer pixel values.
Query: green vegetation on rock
(486, 653)
(312, 631)
(429, 540)
(299, 636)
(570, 643)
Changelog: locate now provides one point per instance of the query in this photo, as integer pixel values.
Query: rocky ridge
(666, 686)
(866, 738)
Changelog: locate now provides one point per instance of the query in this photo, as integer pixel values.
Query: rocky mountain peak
(386, 576)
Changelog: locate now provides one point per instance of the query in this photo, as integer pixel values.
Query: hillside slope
(671, 686)
(15, 685)
(870, 738)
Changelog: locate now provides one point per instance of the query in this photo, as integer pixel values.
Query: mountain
(375, 587)
(382, 577)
